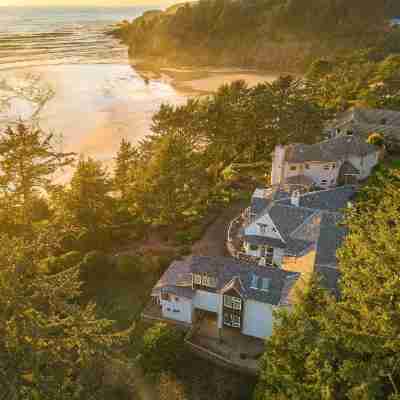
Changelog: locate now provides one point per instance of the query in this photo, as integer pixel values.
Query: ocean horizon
(35, 36)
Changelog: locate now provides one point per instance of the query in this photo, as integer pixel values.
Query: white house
(364, 121)
(239, 296)
(341, 160)
(297, 232)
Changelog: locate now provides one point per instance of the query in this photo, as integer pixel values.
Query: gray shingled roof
(335, 149)
(367, 120)
(287, 218)
(225, 269)
(330, 239)
(176, 279)
(258, 204)
(330, 200)
(264, 241)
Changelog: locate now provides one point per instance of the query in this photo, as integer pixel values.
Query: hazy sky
(103, 3)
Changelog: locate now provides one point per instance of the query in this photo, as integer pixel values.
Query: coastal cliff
(269, 34)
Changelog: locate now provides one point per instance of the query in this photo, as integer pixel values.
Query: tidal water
(54, 35)
(99, 97)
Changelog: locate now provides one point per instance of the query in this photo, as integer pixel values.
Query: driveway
(213, 241)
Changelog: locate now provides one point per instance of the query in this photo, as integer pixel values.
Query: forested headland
(277, 35)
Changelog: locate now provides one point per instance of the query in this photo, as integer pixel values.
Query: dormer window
(263, 228)
(205, 281)
(259, 283)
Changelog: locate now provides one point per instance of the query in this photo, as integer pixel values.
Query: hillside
(272, 34)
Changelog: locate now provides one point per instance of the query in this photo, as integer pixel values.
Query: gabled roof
(338, 148)
(176, 279)
(348, 168)
(364, 121)
(330, 238)
(236, 285)
(328, 200)
(227, 270)
(288, 218)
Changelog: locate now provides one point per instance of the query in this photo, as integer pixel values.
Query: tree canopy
(349, 347)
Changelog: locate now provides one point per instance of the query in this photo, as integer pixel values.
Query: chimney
(295, 198)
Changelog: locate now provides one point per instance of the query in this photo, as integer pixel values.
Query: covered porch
(227, 345)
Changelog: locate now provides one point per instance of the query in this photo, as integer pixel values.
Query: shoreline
(203, 80)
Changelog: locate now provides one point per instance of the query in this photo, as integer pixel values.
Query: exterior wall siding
(318, 173)
(206, 301)
(257, 319)
(179, 309)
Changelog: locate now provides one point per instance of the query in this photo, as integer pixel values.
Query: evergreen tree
(350, 349)
(28, 162)
(51, 346)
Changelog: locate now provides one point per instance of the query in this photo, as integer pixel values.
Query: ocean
(54, 35)
(99, 96)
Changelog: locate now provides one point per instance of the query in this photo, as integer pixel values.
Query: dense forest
(274, 34)
(78, 260)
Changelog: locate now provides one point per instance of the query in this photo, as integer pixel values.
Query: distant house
(341, 160)
(297, 232)
(364, 121)
(239, 296)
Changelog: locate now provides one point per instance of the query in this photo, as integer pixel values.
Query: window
(165, 297)
(253, 247)
(254, 281)
(326, 167)
(349, 133)
(177, 299)
(232, 320)
(269, 254)
(232, 302)
(260, 283)
(211, 282)
(383, 121)
(333, 166)
(265, 282)
(307, 166)
(263, 228)
(293, 168)
(324, 182)
(197, 279)
(205, 280)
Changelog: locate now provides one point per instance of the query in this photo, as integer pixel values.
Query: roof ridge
(317, 211)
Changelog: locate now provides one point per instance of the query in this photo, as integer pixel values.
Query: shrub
(162, 349)
(128, 265)
(376, 139)
(95, 264)
(53, 265)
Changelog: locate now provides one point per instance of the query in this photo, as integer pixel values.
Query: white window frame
(235, 303)
(197, 279)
